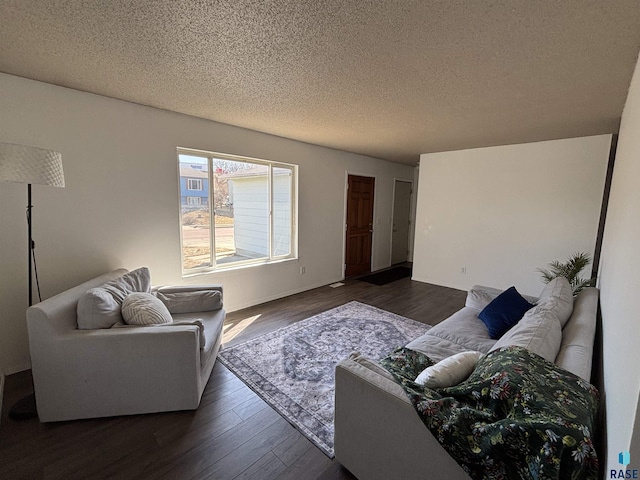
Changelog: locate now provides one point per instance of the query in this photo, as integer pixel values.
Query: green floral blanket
(516, 416)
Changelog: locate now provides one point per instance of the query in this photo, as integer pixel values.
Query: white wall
(121, 204)
(502, 212)
(619, 281)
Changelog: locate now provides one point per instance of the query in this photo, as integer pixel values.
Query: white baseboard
(269, 298)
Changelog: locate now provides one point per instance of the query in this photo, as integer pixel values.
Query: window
(194, 184)
(245, 212)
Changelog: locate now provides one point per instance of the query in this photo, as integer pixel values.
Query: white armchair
(119, 371)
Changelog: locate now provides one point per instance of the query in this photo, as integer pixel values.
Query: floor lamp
(30, 165)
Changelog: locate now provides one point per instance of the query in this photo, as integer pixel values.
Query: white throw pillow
(449, 371)
(144, 309)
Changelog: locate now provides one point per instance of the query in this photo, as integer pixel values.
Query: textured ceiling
(389, 79)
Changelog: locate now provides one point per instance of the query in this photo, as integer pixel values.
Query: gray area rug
(293, 368)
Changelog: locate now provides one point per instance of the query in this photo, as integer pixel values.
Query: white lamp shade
(23, 164)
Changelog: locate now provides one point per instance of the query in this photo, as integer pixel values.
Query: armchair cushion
(141, 308)
(190, 301)
(100, 307)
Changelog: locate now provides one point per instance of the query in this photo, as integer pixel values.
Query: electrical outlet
(463, 270)
(303, 270)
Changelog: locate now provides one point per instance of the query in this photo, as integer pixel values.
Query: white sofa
(88, 373)
(379, 435)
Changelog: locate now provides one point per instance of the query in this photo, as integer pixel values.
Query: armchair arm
(96, 373)
(176, 323)
(190, 298)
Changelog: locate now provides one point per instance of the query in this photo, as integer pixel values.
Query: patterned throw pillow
(144, 309)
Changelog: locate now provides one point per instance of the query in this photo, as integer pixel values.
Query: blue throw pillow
(504, 312)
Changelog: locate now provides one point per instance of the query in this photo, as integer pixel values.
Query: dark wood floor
(233, 434)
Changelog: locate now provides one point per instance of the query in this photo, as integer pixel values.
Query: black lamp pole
(30, 165)
(26, 407)
(30, 249)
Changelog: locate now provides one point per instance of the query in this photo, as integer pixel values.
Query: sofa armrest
(578, 335)
(378, 433)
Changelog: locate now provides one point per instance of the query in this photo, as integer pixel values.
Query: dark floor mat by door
(387, 276)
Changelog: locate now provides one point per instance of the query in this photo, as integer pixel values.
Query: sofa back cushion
(539, 331)
(100, 307)
(189, 302)
(559, 291)
(479, 296)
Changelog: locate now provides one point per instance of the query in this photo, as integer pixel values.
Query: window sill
(233, 268)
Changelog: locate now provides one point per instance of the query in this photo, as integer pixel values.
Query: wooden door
(360, 194)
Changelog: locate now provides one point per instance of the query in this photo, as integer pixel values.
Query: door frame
(393, 211)
(344, 217)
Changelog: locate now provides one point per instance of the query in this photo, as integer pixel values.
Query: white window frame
(210, 156)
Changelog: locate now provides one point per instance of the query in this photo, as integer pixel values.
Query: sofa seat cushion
(461, 332)
(435, 348)
(465, 329)
(212, 324)
(100, 307)
(503, 312)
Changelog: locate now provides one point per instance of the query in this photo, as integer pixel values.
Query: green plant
(570, 270)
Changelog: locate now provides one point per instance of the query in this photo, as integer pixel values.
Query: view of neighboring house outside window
(194, 184)
(254, 205)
